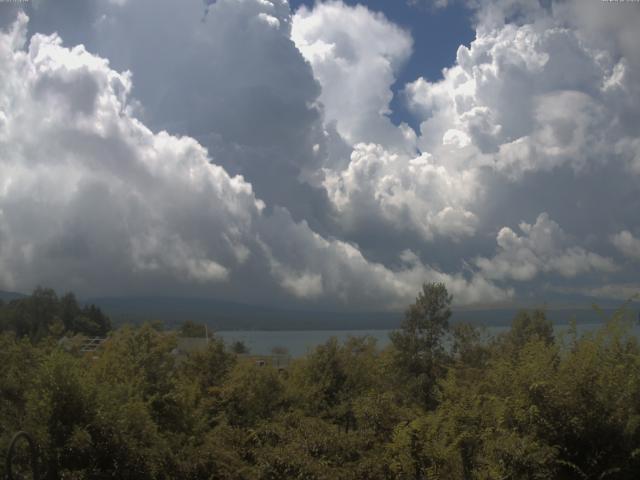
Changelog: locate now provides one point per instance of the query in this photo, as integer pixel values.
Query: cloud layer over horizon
(240, 150)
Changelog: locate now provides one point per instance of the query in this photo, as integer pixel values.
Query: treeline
(44, 314)
(441, 402)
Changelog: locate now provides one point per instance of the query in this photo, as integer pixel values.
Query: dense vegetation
(43, 315)
(441, 402)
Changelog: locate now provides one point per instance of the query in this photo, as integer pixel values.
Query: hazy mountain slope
(223, 315)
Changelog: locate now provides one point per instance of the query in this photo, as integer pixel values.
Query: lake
(300, 342)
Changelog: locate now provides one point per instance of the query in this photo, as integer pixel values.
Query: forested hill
(223, 315)
(8, 296)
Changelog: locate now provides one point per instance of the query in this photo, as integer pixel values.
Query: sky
(330, 155)
(436, 34)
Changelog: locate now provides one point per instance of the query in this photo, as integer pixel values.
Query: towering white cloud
(89, 194)
(226, 74)
(406, 193)
(108, 178)
(355, 55)
(531, 96)
(93, 200)
(540, 94)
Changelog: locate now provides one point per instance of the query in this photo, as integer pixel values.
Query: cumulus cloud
(226, 74)
(529, 96)
(406, 193)
(536, 97)
(542, 248)
(627, 244)
(355, 55)
(318, 266)
(93, 200)
(231, 145)
(88, 192)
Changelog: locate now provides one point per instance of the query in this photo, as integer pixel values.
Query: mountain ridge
(224, 315)
(7, 296)
(227, 315)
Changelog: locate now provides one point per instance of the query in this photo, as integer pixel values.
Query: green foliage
(239, 348)
(193, 329)
(419, 351)
(253, 393)
(528, 326)
(524, 405)
(468, 346)
(43, 314)
(210, 368)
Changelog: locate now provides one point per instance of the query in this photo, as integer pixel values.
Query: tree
(193, 329)
(34, 314)
(209, 368)
(69, 311)
(419, 352)
(99, 323)
(43, 314)
(251, 393)
(527, 326)
(468, 347)
(238, 347)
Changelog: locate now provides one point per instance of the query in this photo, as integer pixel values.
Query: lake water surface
(300, 342)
